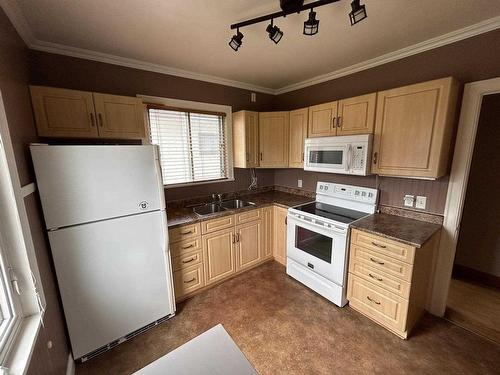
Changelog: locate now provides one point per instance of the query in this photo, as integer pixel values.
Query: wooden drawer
(187, 260)
(380, 278)
(185, 246)
(184, 232)
(383, 246)
(188, 280)
(378, 304)
(248, 216)
(381, 262)
(214, 225)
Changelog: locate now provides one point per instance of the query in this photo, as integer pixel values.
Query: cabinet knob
(92, 120)
(334, 119)
(101, 122)
(261, 156)
(339, 122)
(375, 157)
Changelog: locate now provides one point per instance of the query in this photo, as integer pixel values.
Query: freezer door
(80, 184)
(114, 277)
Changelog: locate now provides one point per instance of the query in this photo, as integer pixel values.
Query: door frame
(457, 188)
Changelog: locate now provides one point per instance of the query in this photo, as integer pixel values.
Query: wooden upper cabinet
(413, 129)
(119, 116)
(246, 139)
(298, 134)
(63, 113)
(273, 139)
(322, 120)
(356, 115)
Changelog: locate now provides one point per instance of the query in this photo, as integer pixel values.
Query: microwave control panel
(358, 157)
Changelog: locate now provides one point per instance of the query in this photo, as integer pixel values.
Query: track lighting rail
(283, 13)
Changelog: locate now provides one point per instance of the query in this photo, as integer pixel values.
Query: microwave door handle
(347, 158)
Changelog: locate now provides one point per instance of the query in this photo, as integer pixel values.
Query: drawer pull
(188, 246)
(375, 277)
(187, 232)
(378, 245)
(377, 261)
(189, 260)
(189, 281)
(372, 300)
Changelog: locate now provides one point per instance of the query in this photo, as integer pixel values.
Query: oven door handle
(334, 230)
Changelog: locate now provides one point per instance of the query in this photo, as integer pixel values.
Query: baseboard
(463, 272)
(70, 368)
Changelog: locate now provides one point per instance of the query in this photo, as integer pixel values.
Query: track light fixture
(311, 26)
(358, 12)
(275, 34)
(236, 40)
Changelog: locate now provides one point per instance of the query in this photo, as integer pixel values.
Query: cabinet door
(250, 238)
(322, 120)
(252, 139)
(119, 116)
(273, 136)
(356, 115)
(268, 229)
(246, 139)
(218, 249)
(63, 113)
(413, 129)
(280, 222)
(298, 133)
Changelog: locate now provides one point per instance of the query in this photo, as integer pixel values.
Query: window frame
(191, 106)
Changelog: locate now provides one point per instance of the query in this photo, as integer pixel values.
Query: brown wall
(241, 181)
(68, 72)
(468, 60)
(391, 189)
(479, 239)
(14, 88)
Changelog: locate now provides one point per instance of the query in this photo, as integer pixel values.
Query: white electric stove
(317, 235)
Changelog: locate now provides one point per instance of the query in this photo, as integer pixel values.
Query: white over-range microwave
(348, 154)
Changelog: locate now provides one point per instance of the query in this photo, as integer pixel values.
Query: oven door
(323, 250)
(322, 158)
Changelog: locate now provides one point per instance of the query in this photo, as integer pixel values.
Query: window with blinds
(192, 145)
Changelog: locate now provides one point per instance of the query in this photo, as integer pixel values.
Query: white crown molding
(14, 13)
(138, 64)
(454, 36)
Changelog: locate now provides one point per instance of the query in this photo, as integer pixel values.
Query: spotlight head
(236, 41)
(311, 26)
(358, 12)
(275, 34)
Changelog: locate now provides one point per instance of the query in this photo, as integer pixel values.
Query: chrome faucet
(217, 197)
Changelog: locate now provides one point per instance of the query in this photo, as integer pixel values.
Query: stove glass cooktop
(340, 214)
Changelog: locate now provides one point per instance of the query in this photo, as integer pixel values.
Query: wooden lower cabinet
(249, 244)
(219, 255)
(209, 252)
(388, 280)
(279, 236)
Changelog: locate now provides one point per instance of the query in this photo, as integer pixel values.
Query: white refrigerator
(104, 210)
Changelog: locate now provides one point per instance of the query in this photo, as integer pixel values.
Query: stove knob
(321, 187)
(326, 188)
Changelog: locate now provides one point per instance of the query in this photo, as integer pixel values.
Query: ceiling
(191, 37)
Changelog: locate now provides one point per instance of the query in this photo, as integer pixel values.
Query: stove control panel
(354, 193)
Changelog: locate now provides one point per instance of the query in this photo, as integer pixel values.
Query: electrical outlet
(253, 97)
(421, 202)
(299, 183)
(408, 200)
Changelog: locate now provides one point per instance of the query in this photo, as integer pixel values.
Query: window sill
(198, 183)
(18, 359)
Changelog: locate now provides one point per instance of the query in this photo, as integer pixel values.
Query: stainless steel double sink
(212, 208)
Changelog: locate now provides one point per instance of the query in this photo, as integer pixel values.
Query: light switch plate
(408, 200)
(420, 202)
(299, 183)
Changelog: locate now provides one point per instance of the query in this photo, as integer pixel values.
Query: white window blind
(192, 145)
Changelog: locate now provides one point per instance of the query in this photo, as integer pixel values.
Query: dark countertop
(182, 216)
(410, 231)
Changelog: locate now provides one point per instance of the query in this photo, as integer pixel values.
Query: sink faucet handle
(220, 197)
(214, 196)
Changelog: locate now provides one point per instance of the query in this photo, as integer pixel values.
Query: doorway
(474, 295)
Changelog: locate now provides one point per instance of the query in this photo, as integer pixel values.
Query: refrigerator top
(81, 184)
